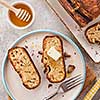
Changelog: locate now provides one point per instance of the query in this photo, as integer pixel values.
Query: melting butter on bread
(24, 66)
(55, 68)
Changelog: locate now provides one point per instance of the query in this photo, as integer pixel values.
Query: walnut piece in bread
(24, 66)
(55, 70)
(93, 33)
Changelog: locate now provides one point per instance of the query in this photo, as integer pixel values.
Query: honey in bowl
(17, 21)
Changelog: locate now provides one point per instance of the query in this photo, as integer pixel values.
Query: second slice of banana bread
(24, 66)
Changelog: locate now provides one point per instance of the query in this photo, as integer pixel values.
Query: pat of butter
(53, 53)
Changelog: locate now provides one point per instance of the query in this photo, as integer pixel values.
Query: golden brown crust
(49, 65)
(69, 9)
(82, 11)
(20, 71)
(92, 7)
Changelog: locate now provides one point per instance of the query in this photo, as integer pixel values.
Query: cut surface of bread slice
(24, 66)
(55, 70)
(93, 33)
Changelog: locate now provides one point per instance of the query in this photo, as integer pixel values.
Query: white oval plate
(33, 43)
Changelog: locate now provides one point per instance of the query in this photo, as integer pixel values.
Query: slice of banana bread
(93, 33)
(55, 69)
(82, 11)
(24, 66)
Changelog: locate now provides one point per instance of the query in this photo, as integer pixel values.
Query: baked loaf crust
(24, 66)
(82, 11)
(92, 6)
(55, 70)
(93, 33)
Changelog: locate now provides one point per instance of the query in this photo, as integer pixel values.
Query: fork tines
(72, 82)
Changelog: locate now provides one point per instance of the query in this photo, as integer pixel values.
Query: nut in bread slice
(24, 66)
(93, 33)
(55, 70)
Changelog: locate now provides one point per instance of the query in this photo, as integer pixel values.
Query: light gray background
(45, 19)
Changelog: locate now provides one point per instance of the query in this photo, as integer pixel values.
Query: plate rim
(34, 32)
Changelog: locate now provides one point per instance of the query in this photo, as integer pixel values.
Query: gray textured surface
(45, 19)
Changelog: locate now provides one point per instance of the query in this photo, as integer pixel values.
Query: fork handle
(8, 5)
(50, 96)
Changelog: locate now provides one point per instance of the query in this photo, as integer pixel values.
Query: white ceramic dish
(33, 43)
(33, 14)
(92, 49)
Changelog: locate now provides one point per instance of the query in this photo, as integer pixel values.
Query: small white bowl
(33, 14)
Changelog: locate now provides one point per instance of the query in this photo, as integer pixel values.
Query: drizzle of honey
(15, 20)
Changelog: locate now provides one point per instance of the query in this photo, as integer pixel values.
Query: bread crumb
(62, 95)
(66, 55)
(26, 46)
(96, 52)
(32, 54)
(25, 40)
(40, 52)
(71, 68)
(50, 85)
(74, 53)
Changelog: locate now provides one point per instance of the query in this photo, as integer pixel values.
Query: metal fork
(22, 14)
(66, 86)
